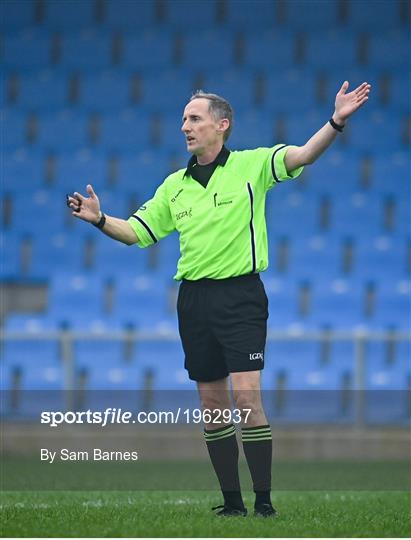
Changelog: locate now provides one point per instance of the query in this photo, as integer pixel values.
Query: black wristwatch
(101, 222)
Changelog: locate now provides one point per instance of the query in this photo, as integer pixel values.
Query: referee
(217, 206)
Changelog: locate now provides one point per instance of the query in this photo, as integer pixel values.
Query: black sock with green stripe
(258, 450)
(223, 449)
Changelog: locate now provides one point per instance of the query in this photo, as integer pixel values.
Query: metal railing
(359, 339)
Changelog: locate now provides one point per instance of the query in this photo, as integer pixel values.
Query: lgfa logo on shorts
(257, 356)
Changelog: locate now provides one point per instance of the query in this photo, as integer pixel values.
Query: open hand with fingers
(86, 208)
(347, 104)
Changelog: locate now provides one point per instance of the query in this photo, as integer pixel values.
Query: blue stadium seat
(172, 138)
(387, 385)
(292, 354)
(400, 100)
(237, 86)
(28, 50)
(98, 354)
(125, 132)
(73, 294)
(252, 129)
(148, 51)
(214, 47)
(10, 267)
(165, 359)
(401, 211)
(86, 51)
(315, 256)
(77, 169)
(262, 48)
(315, 14)
(324, 47)
(342, 358)
(299, 127)
(311, 390)
(283, 95)
(144, 302)
(168, 255)
(47, 375)
(55, 251)
(22, 170)
(403, 353)
(142, 173)
(116, 201)
(32, 323)
(381, 256)
(375, 17)
(13, 125)
(181, 14)
(105, 92)
(358, 214)
(114, 258)
(286, 211)
(69, 14)
(337, 304)
(376, 131)
(62, 132)
(336, 173)
(378, 359)
(393, 305)
(31, 352)
(42, 205)
(43, 91)
(391, 173)
(112, 378)
(282, 295)
(179, 87)
(125, 15)
(240, 15)
(15, 16)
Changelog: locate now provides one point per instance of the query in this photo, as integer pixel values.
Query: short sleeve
(153, 220)
(270, 162)
(279, 170)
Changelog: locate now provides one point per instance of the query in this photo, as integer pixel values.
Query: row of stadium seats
(127, 15)
(136, 130)
(94, 50)
(30, 256)
(359, 214)
(113, 91)
(147, 302)
(290, 366)
(306, 395)
(38, 174)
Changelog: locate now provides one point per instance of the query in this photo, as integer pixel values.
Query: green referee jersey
(221, 226)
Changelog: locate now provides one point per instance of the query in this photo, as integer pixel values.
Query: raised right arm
(88, 209)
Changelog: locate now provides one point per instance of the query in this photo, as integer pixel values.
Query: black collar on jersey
(221, 159)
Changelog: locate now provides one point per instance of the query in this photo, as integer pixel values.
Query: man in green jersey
(217, 206)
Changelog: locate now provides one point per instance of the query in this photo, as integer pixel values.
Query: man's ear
(224, 124)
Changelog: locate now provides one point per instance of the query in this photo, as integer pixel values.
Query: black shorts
(223, 326)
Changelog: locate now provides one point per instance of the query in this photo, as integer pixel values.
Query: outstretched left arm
(345, 106)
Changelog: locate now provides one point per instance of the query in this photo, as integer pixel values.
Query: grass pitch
(188, 514)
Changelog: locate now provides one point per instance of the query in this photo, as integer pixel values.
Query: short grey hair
(218, 107)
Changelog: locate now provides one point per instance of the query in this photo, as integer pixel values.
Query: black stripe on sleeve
(147, 228)
(272, 163)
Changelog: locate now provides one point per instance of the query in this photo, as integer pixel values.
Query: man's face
(200, 128)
